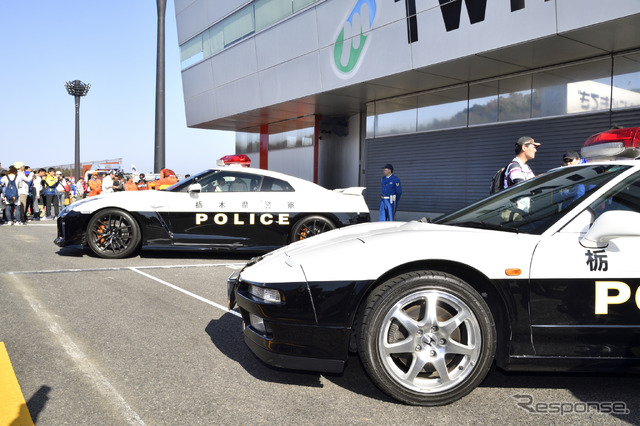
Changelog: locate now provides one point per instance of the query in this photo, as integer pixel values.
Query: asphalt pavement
(148, 340)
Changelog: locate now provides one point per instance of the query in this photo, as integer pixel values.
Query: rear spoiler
(354, 190)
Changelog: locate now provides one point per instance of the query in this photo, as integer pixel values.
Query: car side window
(625, 196)
(275, 185)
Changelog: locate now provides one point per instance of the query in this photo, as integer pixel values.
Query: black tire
(113, 234)
(309, 226)
(425, 356)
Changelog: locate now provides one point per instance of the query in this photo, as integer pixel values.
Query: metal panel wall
(446, 170)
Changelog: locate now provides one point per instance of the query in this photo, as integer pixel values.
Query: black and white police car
(227, 208)
(430, 306)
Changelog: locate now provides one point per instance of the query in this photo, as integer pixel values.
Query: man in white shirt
(107, 183)
(519, 171)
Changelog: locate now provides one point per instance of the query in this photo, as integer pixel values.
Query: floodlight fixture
(77, 89)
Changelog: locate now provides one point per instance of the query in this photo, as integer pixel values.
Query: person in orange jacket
(130, 185)
(167, 178)
(95, 185)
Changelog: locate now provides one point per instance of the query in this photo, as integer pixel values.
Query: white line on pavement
(188, 293)
(123, 268)
(79, 358)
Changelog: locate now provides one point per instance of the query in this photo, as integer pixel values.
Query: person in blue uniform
(391, 192)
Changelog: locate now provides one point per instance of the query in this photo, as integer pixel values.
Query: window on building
(247, 142)
(239, 25)
(514, 99)
(256, 16)
(291, 139)
(443, 109)
(397, 116)
(626, 81)
(371, 120)
(213, 41)
(584, 87)
(268, 12)
(298, 5)
(483, 103)
(191, 52)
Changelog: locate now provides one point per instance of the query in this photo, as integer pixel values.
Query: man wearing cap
(391, 192)
(571, 158)
(518, 170)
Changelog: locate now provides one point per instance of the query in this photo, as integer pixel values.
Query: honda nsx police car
(226, 208)
(541, 276)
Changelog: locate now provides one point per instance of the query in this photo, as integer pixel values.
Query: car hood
(367, 251)
(128, 200)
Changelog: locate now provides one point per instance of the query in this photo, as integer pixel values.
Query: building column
(316, 147)
(264, 146)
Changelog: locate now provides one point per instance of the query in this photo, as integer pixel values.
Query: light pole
(159, 152)
(76, 88)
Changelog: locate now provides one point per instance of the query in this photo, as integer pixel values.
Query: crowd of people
(41, 194)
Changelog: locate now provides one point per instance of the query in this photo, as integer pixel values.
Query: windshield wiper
(485, 225)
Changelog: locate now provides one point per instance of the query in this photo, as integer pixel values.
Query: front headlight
(269, 295)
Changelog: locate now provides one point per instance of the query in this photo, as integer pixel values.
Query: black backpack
(497, 183)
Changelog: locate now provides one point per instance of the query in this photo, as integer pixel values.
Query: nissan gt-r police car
(226, 208)
(430, 306)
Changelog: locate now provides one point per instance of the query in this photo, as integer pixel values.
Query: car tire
(426, 338)
(113, 234)
(309, 226)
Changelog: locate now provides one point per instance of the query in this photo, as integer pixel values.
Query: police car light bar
(237, 159)
(620, 143)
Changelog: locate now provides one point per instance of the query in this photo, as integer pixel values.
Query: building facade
(331, 90)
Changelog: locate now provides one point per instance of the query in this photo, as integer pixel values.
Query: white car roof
(297, 183)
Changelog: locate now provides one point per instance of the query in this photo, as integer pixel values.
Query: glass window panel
(441, 110)
(396, 117)
(626, 81)
(371, 120)
(268, 12)
(291, 139)
(191, 52)
(483, 103)
(247, 142)
(213, 41)
(301, 4)
(585, 87)
(305, 136)
(514, 101)
(238, 25)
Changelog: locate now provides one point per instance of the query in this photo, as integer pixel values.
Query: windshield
(232, 180)
(534, 205)
(184, 184)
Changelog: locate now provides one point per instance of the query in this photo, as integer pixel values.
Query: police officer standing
(391, 192)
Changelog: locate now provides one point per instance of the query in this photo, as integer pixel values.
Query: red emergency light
(236, 159)
(614, 143)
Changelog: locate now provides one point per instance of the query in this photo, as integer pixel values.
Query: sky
(112, 46)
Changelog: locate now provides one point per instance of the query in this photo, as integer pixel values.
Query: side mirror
(610, 225)
(194, 187)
